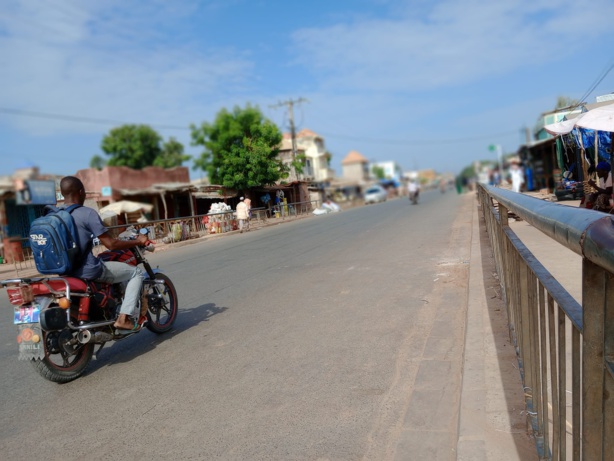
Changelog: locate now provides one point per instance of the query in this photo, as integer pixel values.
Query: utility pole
(290, 103)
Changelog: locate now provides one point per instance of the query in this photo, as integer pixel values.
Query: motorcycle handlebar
(131, 234)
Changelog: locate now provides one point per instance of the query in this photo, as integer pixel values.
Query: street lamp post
(499, 152)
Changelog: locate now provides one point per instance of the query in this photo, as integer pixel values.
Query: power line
(597, 82)
(421, 142)
(290, 104)
(79, 119)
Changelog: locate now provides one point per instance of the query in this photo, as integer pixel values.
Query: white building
(286, 156)
(392, 170)
(311, 144)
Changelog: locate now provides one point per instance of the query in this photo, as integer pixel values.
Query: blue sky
(426, 83)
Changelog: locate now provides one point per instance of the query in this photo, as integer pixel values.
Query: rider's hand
(142, 240)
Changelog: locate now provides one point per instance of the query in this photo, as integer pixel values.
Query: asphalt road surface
(301, 341)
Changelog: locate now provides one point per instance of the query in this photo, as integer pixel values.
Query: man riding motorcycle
(90, 225)
(414, 191)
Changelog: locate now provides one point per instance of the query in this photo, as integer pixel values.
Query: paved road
(333, 337)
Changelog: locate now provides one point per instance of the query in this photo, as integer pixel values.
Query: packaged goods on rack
(220, 218)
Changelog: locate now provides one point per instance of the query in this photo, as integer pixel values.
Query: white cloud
(453, 43)
(109, 61)
(396, 70)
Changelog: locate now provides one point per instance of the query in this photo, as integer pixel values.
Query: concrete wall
(121, 177)
(354, 171)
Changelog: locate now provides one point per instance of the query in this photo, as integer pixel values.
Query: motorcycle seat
(58, 284)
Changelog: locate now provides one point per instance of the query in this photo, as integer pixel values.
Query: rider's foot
(124, 322)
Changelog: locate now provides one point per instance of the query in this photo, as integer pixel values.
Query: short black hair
(70, 185)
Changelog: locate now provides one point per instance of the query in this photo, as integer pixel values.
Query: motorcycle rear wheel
(162, 308)
(60, 367)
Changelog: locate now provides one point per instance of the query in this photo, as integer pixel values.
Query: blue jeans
(116, 272)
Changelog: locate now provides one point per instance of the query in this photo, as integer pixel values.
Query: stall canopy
(563, 127)
(125, 206)
(591, 129)
(598, 119)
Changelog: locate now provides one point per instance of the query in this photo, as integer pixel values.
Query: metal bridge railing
(565, 350)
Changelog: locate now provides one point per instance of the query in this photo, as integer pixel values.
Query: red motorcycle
(61, 319)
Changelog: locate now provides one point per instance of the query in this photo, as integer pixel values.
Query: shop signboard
(34, 192)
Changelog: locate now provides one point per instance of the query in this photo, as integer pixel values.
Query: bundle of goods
(220, 219)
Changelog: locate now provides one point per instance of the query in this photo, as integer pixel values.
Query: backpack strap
(54, 209)
(72, 207)
(50, 209)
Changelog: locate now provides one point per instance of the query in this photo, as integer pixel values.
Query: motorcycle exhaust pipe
(99, 337)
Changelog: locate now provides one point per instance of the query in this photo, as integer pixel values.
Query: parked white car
(375, 194)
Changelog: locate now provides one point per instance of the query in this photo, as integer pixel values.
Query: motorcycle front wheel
(60, 366)
(162, 304)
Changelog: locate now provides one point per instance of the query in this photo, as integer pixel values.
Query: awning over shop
(215, 194)
(563, 127)
(156, 189)
(126, 206)
(598, 119)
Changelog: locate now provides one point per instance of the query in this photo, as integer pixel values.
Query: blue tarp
(588, 140)
(389, 183)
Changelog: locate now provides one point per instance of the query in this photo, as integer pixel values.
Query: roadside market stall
(583, 141)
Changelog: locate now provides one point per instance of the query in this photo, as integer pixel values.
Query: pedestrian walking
(517, 176)
(242, 214)
(248, 203)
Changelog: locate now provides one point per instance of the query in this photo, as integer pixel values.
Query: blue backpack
(54, 241)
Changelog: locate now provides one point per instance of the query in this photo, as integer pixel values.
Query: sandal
(135, 329)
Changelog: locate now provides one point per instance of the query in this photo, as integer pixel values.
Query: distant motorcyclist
(414, 191)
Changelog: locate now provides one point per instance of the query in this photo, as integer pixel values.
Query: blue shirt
(89, 225)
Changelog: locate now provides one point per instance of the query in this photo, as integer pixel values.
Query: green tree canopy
(139, 146)
(97, 162)
(564, 101)
(240, 149)
(172, 154)
(378, 172)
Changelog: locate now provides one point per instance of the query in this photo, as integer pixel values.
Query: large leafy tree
(172, 154)
(240, 149)
(139, 146)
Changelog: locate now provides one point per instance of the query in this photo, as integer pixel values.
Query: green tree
(97, 162)
(172, 155)
(134, 146)
(298, 164)
(378, 172)
(240, 149)
(468, 172)
(564, 101)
